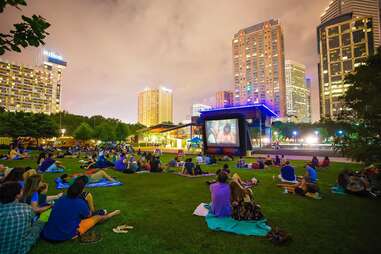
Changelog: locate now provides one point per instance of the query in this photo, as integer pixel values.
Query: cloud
(116, 48)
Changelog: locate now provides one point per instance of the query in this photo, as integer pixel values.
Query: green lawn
(160, 207)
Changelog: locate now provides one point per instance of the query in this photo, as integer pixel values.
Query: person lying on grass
(241, 163)
(34, 193)
(49, 164)
(17, 232)
(71, 215)
(92, 178)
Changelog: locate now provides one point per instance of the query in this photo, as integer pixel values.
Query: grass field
(160, 207)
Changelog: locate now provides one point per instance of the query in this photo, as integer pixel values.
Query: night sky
(115, 48)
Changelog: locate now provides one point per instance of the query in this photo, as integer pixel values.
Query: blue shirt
(46, 164)
(119, 164)
(312, 174)
(288, 173)
(64, 220)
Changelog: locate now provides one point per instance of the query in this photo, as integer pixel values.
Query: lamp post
(294, 134)
(63, 132)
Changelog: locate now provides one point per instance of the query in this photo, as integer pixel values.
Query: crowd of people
(24, 193)
(24, 204)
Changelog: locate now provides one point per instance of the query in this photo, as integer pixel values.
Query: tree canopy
(83, 132)
(30, 32)
(363, 141)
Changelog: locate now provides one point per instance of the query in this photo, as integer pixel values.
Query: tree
(83, 132)
(362, 142)
(121, 132)
(105, 132)
(30, 32)
(42, 126)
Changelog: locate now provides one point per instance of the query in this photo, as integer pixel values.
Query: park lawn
(160, 208)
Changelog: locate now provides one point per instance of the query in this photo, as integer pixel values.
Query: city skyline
(107, 71)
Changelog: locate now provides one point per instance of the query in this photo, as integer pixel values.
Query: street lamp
(294, 134)
(316, 133)
(63, 132)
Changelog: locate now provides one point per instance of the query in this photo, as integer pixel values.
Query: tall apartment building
(155, 106)
(358, 8)
(349, 32)
(32, 89)
(197, 108)
(258, 66)
(224, 99)
(309, 104)
(297, 94)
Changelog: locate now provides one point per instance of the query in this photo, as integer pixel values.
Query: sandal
(90, 237)
(120, 231)
(125, 226)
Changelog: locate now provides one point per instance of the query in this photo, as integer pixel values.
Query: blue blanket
(60, 170)
(100, 183)
(243, 227)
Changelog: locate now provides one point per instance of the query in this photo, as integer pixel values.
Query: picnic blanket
(194, 176)
(59, 170)
(230, 225)
(100, 183)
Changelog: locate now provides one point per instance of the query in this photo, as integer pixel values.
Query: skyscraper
(358, 8)
(155, 106)
(224, 99)
(258, 66)
(296, 92)
(348, 34)
(308, 86)
(32, 89)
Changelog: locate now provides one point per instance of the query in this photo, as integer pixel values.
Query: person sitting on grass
(314, 162)
(172, 163)
(102, 161)
(15, 175)
(325, 163)
(156, 165)
(221, 196)
(71, 216)
(268, 160)
(200, 159)
(34, 194)
(243, 206)
(311, 173)
(50, 165)
(17, 232)
(188, 167)
(40, 159)
(287, 173)
(277, 161)
(241, 163)
(121, 163)
(198, 170)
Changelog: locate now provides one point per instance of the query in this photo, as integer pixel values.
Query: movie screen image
(222, 132)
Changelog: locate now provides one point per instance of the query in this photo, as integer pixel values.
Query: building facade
(344, 42)
(258, 66)
(309, 104)
(155, 106)
(297, 109)
(197, 108)
(358, 8)
(32, 89)
(224, 99)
